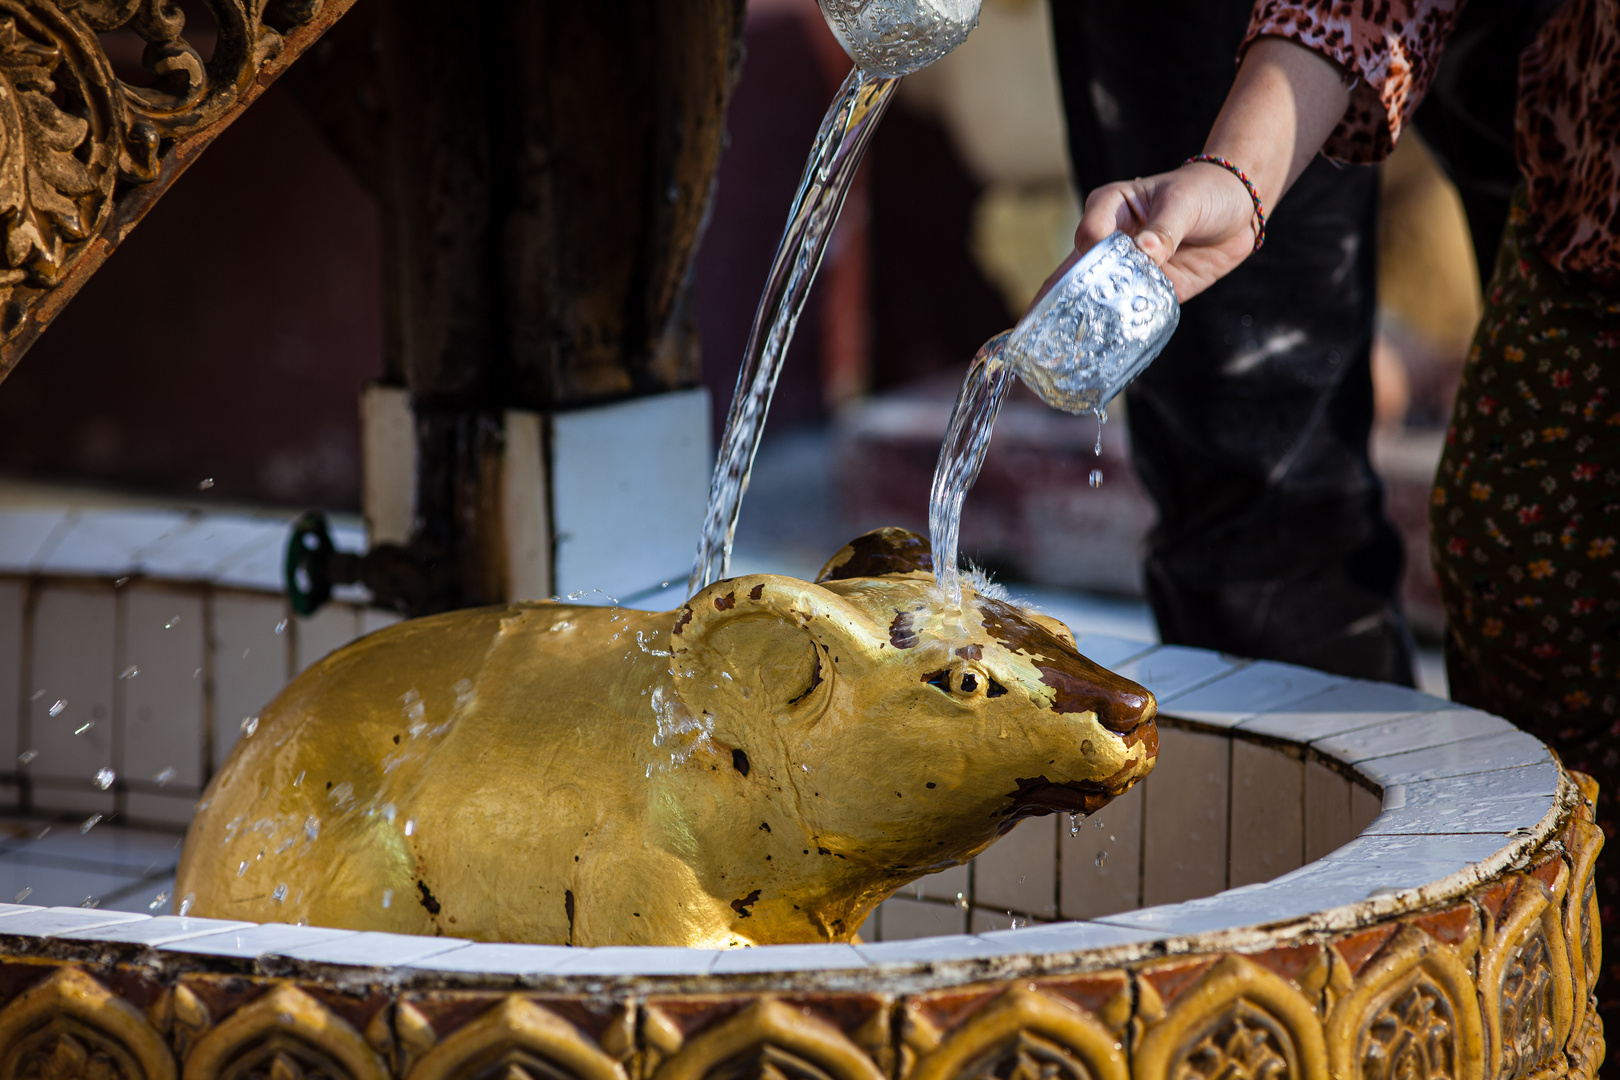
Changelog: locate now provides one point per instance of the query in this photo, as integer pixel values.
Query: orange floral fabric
(1568, 121)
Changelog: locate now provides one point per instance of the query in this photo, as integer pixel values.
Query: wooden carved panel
(1237, 1019)
(84, 154)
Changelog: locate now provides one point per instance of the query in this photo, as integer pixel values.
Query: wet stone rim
(1247, 919)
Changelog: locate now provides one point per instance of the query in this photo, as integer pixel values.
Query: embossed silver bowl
(896, 37)
(1097, 329)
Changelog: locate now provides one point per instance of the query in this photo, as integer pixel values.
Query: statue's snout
(1125, 709)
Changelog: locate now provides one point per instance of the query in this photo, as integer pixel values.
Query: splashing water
(961, 456)
(839, 146)
(1074, 823)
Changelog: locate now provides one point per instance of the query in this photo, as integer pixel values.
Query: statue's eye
(970, 682)
(939, 680)
(996, 689)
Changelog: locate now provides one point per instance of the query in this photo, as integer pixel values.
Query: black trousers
(1250, 430)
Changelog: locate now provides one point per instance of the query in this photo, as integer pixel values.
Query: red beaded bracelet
(1259, 207)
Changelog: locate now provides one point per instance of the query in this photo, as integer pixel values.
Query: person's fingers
(1174, 210)
(1108, 210)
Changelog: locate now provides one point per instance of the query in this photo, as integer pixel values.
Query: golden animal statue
(764, 765)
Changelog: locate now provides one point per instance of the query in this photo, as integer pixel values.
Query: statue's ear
(888, 550)
(1056, 627)
(768, 636)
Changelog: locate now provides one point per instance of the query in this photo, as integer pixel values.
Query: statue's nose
(1124, 710)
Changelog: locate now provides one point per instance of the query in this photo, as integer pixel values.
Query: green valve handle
(309, 563)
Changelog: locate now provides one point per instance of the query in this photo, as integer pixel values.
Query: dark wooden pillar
(543, 169)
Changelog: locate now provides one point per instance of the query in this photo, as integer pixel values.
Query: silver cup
(1097, 329)
(892, 38)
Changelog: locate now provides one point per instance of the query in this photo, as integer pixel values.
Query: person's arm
(1198, 221)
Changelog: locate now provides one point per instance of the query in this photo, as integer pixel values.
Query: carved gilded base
(1496, 985)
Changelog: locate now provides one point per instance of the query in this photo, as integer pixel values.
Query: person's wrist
(1242, 194)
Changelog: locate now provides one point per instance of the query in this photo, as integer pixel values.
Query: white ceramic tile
(1345, 707)
(16, 909)
(1412, 733)
(149, 898)
(26, 535)
(638, 960)
(1327, 810)
(1251, 689)
(1255, 905)
(371, 949)
(1172, 669)
(157, 931)
(1377, 850)
(500, 959)
(944, 885)
(1063, 937)
(161, 677)
(56, 921)
(1101, 864)
(213, 541)
(250, 663)
(1268, 819)
(258, 940)
(925, 949)
(905, 918)
(73, 663)
(1488, 754)
(1110, 651)
(629, 483)
(134, 851)
(55, 884)
(1018, 871)
(328, 630)
(12, 596)
(787, 958)
(1184, 817)
(107, 543)
(1494, 802)
(262, 565)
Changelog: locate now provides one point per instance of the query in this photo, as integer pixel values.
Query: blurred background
(266, 269)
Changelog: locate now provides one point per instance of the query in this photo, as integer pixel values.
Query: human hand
(1197, 223)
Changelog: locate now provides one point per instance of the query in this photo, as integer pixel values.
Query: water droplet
(37, 694)
(280, 893)
(130, 672)
(1096, 478)
(961, 901)
(388, 898)
(241, 868)
(88, 725)
(388, 812)
(250, 724)
(105, 778)
(186, 902)
(119, 583)
(22, 894)
(1102, 857)
(205, 483)
(27, 755)
(410, 826)
(168, 773)
(312, 826)
(1017, 923)
(174, 621)
(90, 902)
(281, 627)
(1074, 823)
(158, 901)
(89, 823)
(56, 710)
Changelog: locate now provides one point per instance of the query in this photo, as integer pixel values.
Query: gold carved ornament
(1027, 1035)
(283, 1035)
(1238, 1019)
(84, 154)
(517, 1040)
(1525, 989)
(1411, 1012)
(70, 1027)
(770, 1040)
(1581, 918)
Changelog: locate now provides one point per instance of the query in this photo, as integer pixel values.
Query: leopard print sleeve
(1389, 47)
